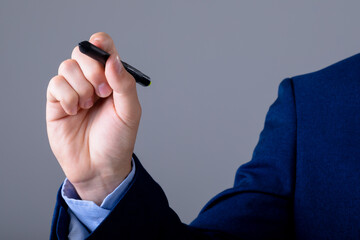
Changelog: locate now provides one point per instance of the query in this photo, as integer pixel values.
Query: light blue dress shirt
(86, 216)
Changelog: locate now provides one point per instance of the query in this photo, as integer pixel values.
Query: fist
(92, 115)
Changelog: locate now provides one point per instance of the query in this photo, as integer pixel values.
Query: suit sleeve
(258, 206)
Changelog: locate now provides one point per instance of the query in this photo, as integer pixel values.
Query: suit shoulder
(342, 76)
(328, 88)
(348, 68)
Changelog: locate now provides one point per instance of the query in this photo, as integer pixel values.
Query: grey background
(215, 65)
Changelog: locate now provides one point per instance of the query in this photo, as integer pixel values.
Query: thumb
(125, 97)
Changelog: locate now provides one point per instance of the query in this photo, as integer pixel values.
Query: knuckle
(66, 66)
(70, 99)
(103, 41)
(93, 75)
(51, 82)
(86, 91)
(55, 82)
(102, 36)
(75, 52)
(51, 85)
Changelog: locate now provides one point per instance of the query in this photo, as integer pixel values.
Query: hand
(92, 117)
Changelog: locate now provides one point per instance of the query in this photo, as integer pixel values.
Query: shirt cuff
(87, 212)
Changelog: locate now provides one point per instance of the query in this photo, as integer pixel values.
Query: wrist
(97, 188)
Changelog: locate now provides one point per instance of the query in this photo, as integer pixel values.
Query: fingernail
(118, 64)
(88, 103)
(100, 41)
(104, 90)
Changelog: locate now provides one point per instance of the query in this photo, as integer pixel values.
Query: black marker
(101, 56)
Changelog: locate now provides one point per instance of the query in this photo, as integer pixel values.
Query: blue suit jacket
(303, 180)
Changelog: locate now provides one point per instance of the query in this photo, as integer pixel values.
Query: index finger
(104, 41)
